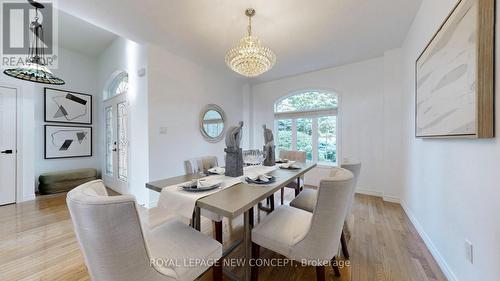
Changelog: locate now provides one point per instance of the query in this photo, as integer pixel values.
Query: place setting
(200, 185)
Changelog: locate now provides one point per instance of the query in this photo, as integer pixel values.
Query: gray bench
(62, 181)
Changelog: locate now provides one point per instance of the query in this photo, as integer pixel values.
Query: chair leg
(320, 273)
(282, 196)
(218, 231)
(343, 242)
(217, 271)
(297, 191)
(335, 267)
(255, 268)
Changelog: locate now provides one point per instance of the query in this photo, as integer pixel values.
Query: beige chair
(117, 247)
(298, 156)
(200, 164)
(306, 200)
(308, 237)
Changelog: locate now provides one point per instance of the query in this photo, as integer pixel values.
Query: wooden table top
(233, 201)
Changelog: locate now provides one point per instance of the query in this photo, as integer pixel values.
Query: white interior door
(7, 145)
(116, 172)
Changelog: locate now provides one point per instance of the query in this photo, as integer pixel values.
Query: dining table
(237, 199)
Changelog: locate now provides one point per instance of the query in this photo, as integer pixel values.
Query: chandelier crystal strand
(250, 58)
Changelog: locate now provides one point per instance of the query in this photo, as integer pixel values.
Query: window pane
(284, 140)
(108, 115)
(122, 142)
(327, 139)
(118, 86)
(304, 136)
(307, 101)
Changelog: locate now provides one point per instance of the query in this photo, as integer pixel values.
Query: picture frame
(67, 141)
(454, 75)
(61, 106)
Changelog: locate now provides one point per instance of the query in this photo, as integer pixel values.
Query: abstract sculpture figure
(234, 154)
(269, 147)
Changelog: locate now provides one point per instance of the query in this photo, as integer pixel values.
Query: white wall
(30, 99)
(125, 55)
(452, 187)
(179, 89)
(361, 90)
(80, 74)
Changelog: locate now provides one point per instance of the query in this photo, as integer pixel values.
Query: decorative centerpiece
(234, 154)
(269, 147)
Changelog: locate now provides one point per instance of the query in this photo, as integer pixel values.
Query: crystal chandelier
(250, 58)
(35, 69)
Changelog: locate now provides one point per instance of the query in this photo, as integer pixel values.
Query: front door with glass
(115, 171)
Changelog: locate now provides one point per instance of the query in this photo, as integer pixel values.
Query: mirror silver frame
(223, 116)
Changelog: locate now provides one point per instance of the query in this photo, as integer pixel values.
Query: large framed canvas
(67, 141)
(454, 83)
(67, 107)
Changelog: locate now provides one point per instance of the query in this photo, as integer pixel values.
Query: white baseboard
(392, 199)
(428, 242)
(29, 197)
(370, 192)
(376, 193)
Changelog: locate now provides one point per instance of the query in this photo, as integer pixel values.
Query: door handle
(8, 151)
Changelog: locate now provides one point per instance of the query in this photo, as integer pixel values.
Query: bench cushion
(63, 186)
(60, 176)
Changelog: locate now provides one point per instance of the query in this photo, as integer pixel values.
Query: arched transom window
(119, 85)
(307, 121)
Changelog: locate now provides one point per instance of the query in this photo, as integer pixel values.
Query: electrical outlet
(469, 251)
(163, 130)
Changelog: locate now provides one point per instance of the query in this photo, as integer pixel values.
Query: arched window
(117, 86)
(307, 121)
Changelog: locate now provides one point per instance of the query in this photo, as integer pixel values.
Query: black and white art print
(67, 107)
(67, 141)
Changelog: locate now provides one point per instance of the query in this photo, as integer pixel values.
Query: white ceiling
(78, 35)
(306, 35)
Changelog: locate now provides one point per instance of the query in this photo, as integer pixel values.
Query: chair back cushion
(200, 164)
(322, 241)
(293, 155)
(110, 235)
(355, 169)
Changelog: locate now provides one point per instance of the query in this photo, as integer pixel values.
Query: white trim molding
(430, 245)
(377, 193)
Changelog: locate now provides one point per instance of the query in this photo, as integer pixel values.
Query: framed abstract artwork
(67, 107)
(454, 83)
(67, 141)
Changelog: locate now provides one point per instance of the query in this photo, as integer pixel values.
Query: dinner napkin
(217, 170)
(288, 165)
(261, 177)
(201, 183)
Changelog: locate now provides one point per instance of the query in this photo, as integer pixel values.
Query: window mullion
(315, 136)
(294, 134)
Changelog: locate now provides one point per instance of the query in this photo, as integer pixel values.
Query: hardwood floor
(37, 243)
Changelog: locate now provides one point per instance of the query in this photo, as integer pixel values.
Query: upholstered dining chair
(116, 246)
(306, 200)
(311, 238)
(298, 156)
(200, 164)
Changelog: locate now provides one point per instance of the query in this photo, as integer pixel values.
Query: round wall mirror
(212, 123)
